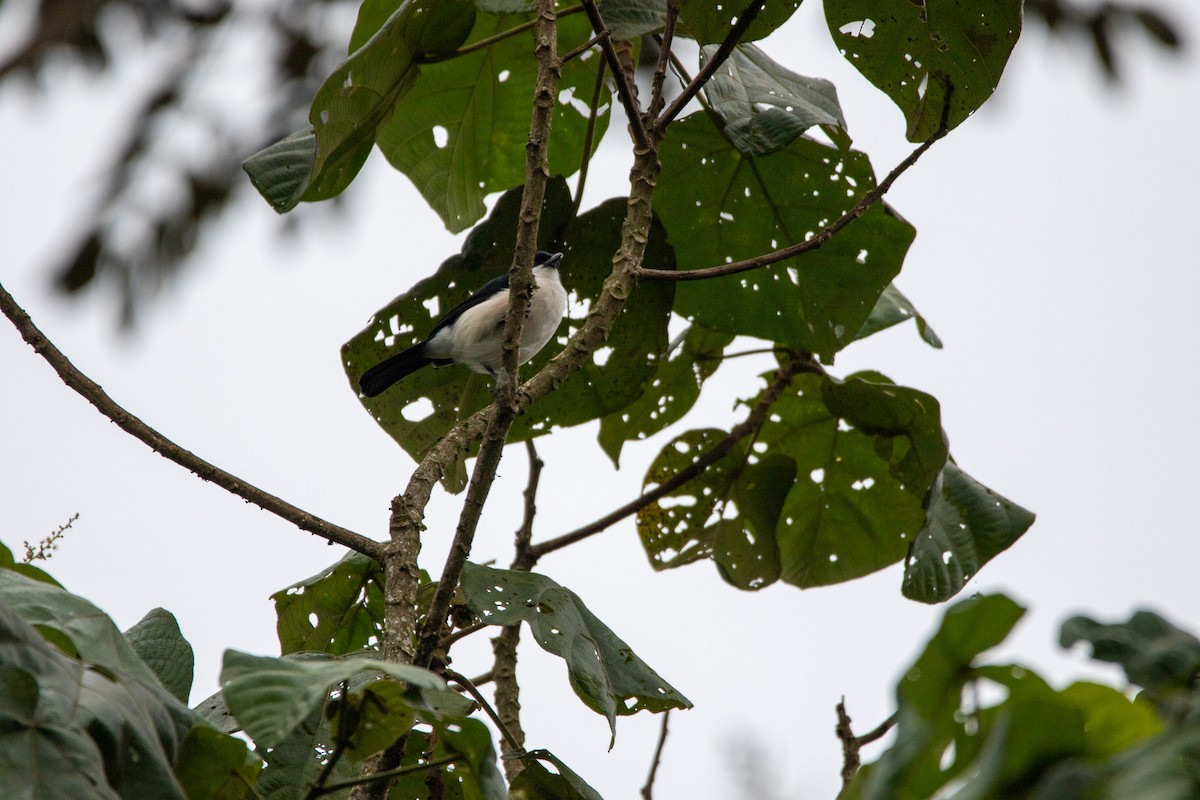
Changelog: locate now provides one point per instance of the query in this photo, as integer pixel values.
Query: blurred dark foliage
(137, 244)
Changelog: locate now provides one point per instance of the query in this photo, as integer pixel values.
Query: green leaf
(718, 205)
(460, 133)
(298, 761)
(921, 54)
(471, 739)
(213, 765)
(627, 20)
(708, 22)
(506, 6)
(605, 673)
(159, 643)
(670, 393)
(966, 526)
(830, 491)
(281, 172)
(1154, 653)
(765, 106)
(88, 630)
(535, 782)
(892, 308)
(346, 602)
(271, 697)
(1114, 723)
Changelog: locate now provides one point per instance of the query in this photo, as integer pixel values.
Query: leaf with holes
(966, 526)
(765, 106)
(606, 674)
(709, 23)
(337, 611)
(720, 206)
(892, 308)
(460, 133)
(669, 393)
(830, 490)
(925, 54)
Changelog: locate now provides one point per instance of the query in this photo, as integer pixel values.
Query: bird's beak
(554, 260)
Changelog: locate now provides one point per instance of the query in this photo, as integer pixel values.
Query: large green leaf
(892, 308)
(627, 20)
(966, 526)
(460, 133)
(720, 206)
(920, 54)
(708, 21)
(159, 643)
(605, 673)
(69, 729)
(420, 410)
(337, 611)
(765, 106)
(535, 782)
(213, 765)
(271, 697)
(362, 92)
(72, 623)
(670, 393)
(828, 489)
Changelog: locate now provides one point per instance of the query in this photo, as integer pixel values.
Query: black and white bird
(473, 332)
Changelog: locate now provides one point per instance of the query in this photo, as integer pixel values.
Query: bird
(472, 333)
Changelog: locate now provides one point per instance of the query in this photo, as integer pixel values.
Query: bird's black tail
(379, 377)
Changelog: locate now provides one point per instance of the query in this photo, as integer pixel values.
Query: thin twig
(494, 39)
(134, 426)
(851, 744)
(588, 45)
(822, 237)
(712, 65)
(703, 461)
(513, 744)
(388, 774)
(664, 57)
(648, 788)
(624, 88)
(589, 138)
(461, 633)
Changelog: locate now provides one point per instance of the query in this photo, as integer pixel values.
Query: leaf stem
(648, 788)
(513, 745)
(388, 774)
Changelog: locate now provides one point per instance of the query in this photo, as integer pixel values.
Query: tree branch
(816, 242)
(520, 291)
(664, 57)
(712, 65)
(799, 364)
(648, 788)
(135, 427)
(624, 87)
(851, 744)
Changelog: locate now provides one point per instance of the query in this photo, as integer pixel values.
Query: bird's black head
(543, 259)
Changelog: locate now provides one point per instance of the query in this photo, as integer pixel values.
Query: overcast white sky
(1055, 256)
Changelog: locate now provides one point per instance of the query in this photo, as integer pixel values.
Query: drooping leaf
(537, 783)
(830, 490)
(64, 617)
(765, 106)
(709, 22)
(892, 308)
(346, 602)
(281, 171)
(605, 673)
(923, 54)
(671, 392)
(159, 643)
(271, 697)
(720, 206)
(460, 133)
(966, 526)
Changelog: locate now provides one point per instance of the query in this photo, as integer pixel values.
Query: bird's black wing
(489, 289)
